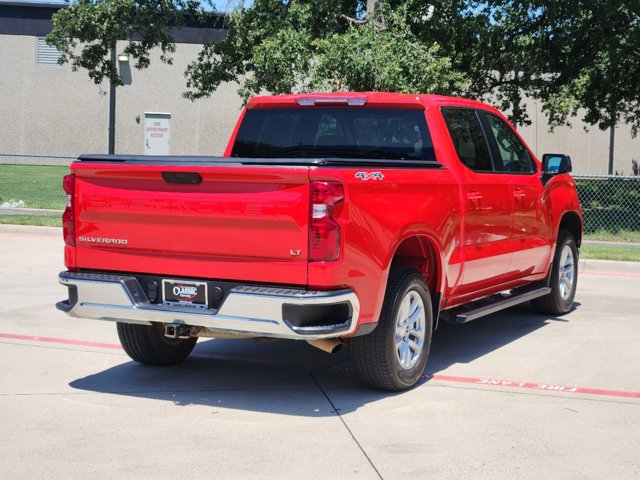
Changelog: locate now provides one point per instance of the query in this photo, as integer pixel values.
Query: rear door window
(468, 138)
(348, 132)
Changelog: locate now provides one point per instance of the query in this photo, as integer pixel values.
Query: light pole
(112, 106)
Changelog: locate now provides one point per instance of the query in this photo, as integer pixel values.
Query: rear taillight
(324, 231)
(68, 217)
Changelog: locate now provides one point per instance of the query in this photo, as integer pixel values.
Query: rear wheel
(564, 278)
(394, 355)
(147, 344)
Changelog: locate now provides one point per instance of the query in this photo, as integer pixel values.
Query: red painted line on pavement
(536, 386)
(611, 274)
(437, 377)
(64, 341)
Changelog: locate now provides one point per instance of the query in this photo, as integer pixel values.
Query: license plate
(185, 293)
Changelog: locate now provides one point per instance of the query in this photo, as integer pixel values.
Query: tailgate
(246, 223)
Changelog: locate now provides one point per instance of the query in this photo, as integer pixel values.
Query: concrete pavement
(514, 395)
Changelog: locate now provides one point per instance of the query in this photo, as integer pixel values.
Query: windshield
(348, 132)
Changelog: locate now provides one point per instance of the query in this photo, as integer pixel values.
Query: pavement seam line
(344, 423)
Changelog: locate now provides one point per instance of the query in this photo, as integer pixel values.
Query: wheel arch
(421, 252)
(572, 222)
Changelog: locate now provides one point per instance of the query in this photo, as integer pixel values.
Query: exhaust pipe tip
(329, 345)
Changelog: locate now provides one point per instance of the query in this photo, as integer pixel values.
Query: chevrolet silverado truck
(359, 218)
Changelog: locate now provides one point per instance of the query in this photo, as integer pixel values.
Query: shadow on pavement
(454, 344)
(290, 377)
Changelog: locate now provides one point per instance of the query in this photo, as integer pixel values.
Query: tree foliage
(86, 31)
(594, 50)
(578, 57)
(274, 46)
(493, 46)
(283, 47)
(383, 55)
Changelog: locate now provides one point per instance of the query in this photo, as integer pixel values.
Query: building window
(45, 54)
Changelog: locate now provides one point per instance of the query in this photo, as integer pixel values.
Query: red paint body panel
(377, 217)
(487, 231)
(238, 224)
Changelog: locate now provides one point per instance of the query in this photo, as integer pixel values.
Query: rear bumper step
(247, 309)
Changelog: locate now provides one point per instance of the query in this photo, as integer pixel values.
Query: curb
(608, 266)
(33, 212)
(598, 243)
(31, 230)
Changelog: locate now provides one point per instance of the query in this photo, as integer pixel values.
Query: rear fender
(421, 252)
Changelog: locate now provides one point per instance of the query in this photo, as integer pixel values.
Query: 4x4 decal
(370, 175)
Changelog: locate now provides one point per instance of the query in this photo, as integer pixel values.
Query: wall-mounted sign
(157, 133)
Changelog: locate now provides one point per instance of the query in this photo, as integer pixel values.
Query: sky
(219, 5)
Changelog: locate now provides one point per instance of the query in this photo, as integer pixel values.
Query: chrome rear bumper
(249, 310)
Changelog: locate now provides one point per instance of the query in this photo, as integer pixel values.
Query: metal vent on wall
(45, 54)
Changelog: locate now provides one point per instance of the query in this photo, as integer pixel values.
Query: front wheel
(394, 355)
(564, 278)
(147, 344)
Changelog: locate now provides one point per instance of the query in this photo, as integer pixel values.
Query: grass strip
(596, 252)
(619, 236)
(31, 220)
(38, 186)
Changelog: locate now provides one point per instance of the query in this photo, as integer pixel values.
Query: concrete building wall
(202, 127)
(587, 146)
(52, 110)
(46, 109)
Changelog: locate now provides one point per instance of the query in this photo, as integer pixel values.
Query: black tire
(375, 355)
(148, 345)
(555, 303)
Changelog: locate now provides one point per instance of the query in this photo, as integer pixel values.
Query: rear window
(374, 133)
(466, 134)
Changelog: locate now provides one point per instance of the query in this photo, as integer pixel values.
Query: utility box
(157, 133)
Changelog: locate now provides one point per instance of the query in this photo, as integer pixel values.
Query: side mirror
(555, 163)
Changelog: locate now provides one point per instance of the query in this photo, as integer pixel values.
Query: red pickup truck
(357, 218)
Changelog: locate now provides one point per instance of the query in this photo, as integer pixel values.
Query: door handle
(518, 195)
(184, 178)
(474, 197)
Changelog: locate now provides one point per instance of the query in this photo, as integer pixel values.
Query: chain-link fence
(32, 185)
(611, 205)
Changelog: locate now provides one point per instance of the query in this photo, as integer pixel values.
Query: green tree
(383, 55)
(86, 31)
(275, 46)
(594, 64)
(283, 47)
(269, 47)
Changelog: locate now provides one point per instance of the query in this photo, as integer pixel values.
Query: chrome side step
(468, 315)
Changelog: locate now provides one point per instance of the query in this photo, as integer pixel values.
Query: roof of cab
(405, 100)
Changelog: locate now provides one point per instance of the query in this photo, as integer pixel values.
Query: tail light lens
(68, 217)
(324, 231)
